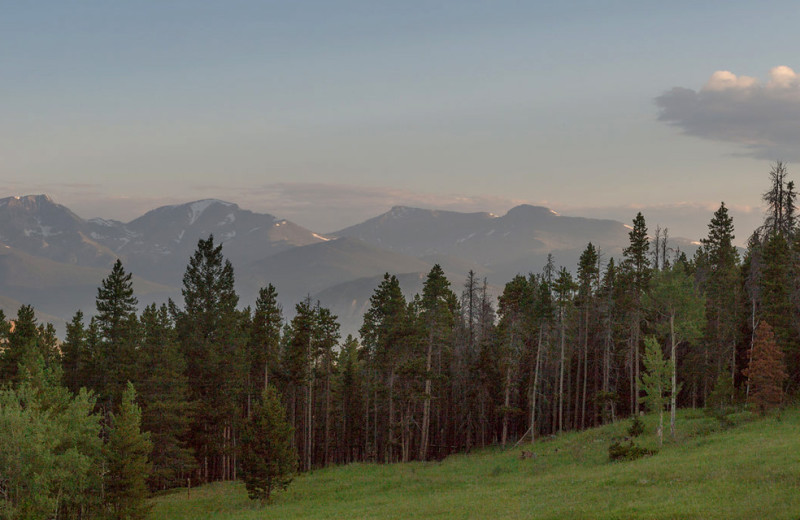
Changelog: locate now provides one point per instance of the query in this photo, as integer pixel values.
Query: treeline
(444, 371)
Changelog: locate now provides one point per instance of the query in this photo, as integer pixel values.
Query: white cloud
(725, 80)
(762, 118)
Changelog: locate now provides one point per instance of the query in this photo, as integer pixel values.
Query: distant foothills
(54, 260)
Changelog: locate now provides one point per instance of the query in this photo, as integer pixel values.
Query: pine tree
(775, 289)
(384, 334)
(564, 287)
(439, 305)
(115, 359)
(610, 296)
(268, 459)
(543, 313)
(766, 372)
(213, 342)
(298, 359)
(637, 269)
(265, 336)
(350, 389)
(326, 340)
(27, 343)
(514, 304)
(164, 394)
(588, 280)
(719, 279)
(126, 453)
(115, 304)
(780, 199)
(74, 354)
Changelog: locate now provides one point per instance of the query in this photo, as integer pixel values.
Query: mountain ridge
(157, 245)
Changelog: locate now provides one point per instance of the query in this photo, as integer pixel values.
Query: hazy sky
(330, 112)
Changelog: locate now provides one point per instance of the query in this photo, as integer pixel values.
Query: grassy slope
(749, 471)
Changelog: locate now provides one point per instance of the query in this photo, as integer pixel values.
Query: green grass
(751, 470)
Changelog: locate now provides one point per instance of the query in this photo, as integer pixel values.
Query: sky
(328, 113)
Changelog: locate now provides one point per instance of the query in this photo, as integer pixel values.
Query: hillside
(749, 471)
(57, 289)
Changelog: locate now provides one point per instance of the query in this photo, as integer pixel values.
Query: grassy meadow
(750, 470)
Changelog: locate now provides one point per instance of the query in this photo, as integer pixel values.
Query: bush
(628, 451)
(621, 450)
(636, 428)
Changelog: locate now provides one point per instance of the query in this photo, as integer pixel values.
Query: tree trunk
(586, 367)
(561, 378)
(636, 362)
(506, 404)
(391, 443)
(577, 399)
(426, 405)
(535, 386)
(327, 413)
(674, 396)
(606, 369)
(366, 420)
(309, 424)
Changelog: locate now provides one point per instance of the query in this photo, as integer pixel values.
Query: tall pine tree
(213, 344)
(126, 452)
(269, 460)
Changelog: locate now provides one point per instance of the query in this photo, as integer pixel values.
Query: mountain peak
(197, 207)
(531, 211)
(27, 201)
(404, 211)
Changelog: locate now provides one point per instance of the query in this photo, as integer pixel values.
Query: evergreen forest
(188, 392)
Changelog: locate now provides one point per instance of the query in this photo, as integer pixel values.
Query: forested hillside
(445, 371)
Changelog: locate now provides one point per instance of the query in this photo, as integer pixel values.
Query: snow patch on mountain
(230, 218)
(321, 237)
(196, 209)
(43, 231)
(101, 222)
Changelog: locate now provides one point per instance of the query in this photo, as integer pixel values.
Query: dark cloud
(762, 118)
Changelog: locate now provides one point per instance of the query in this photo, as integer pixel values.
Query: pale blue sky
(312, 109)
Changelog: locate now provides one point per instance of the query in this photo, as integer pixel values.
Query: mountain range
(55, 260)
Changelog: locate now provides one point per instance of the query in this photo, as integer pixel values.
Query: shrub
(628, 451)
(636, 428)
